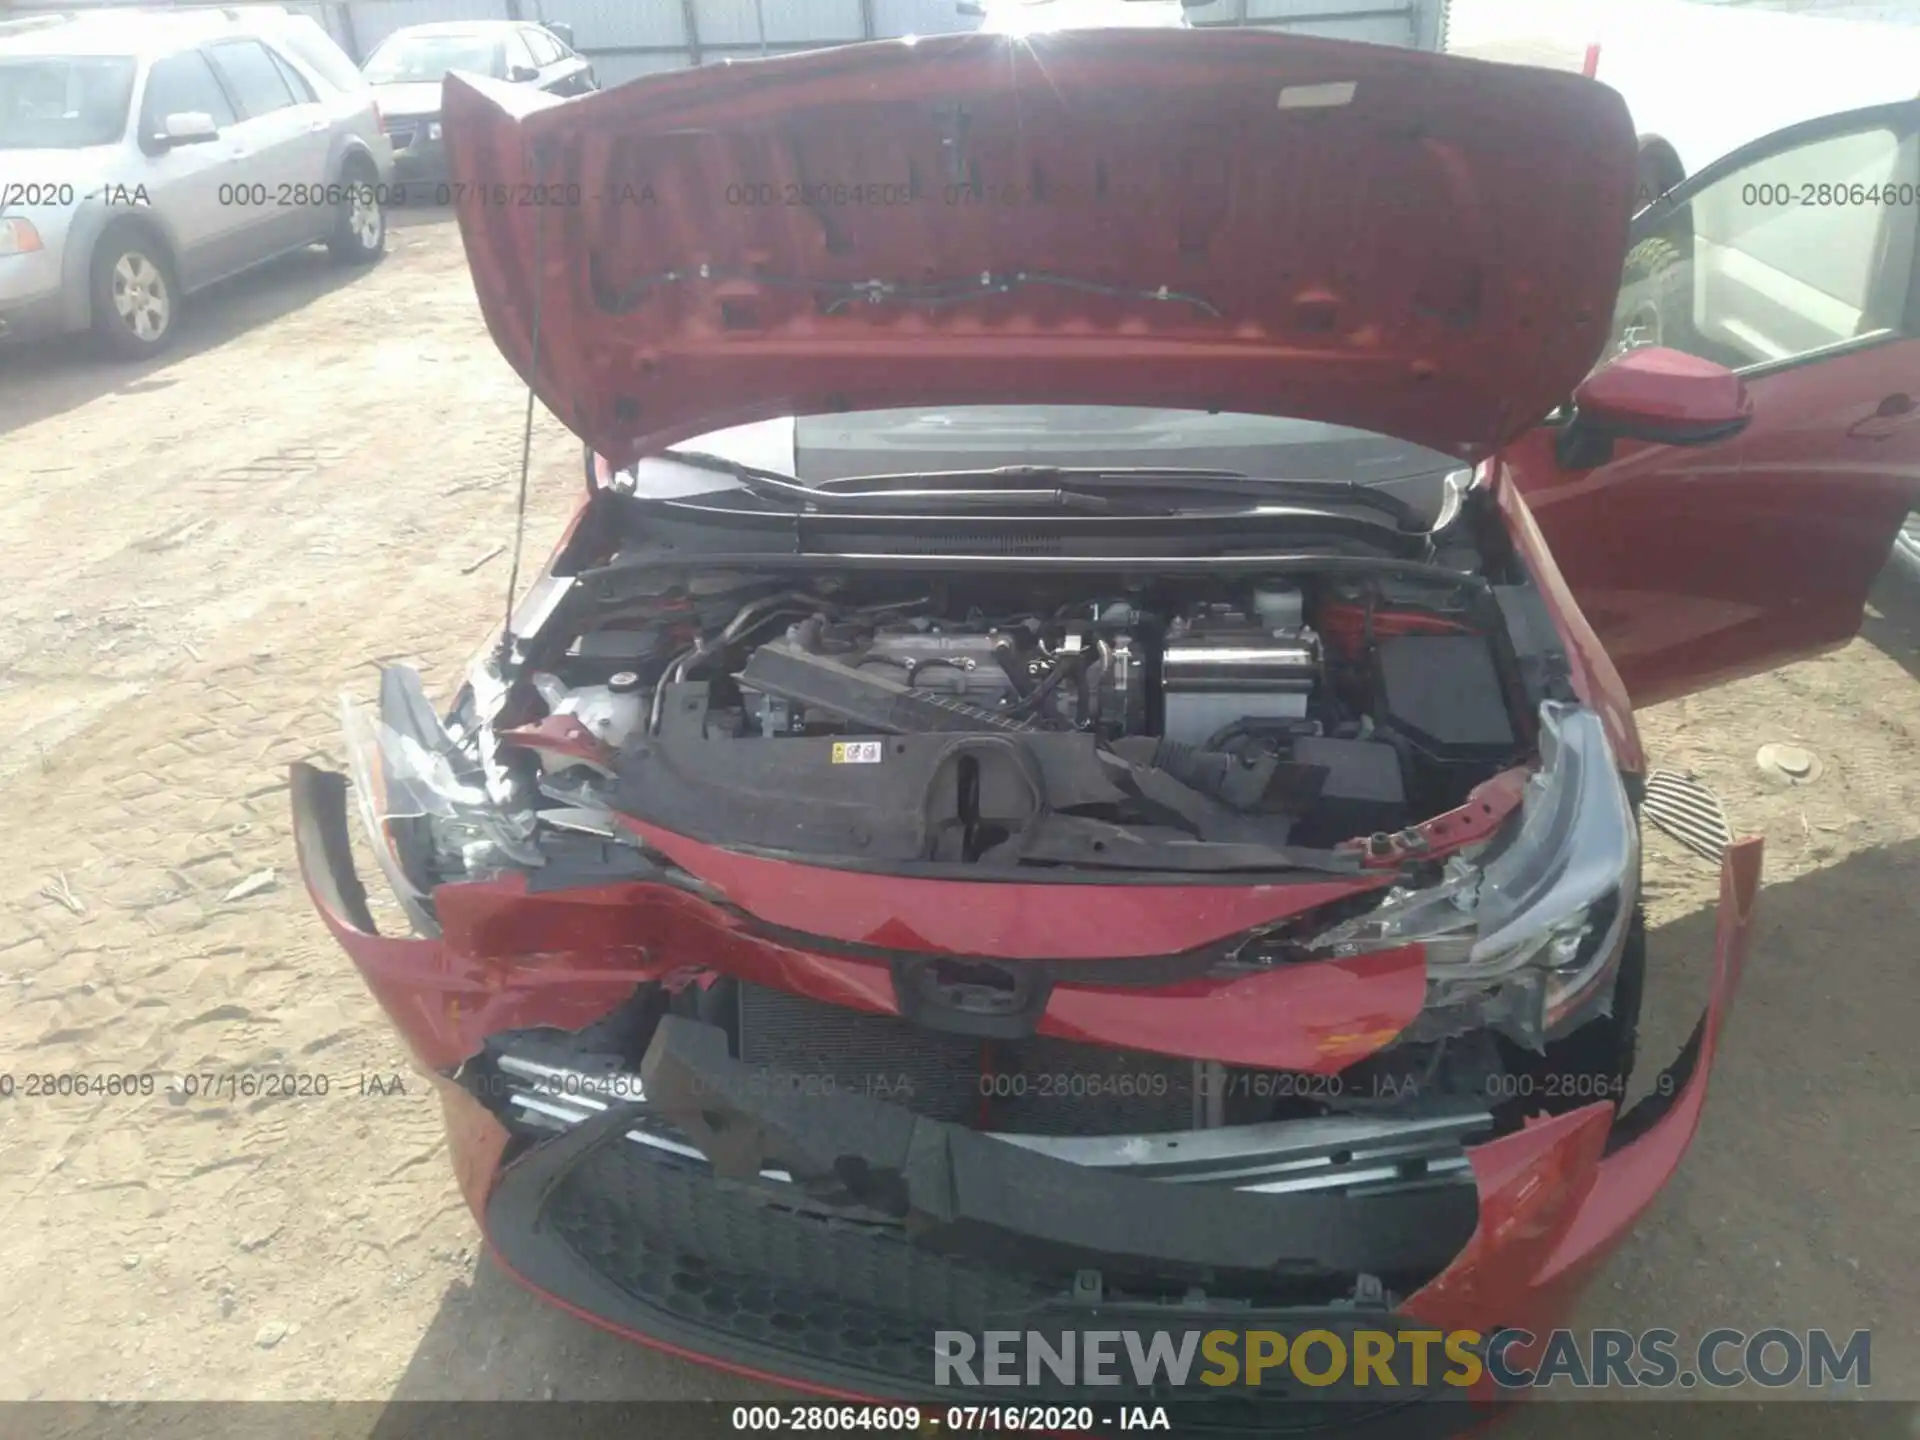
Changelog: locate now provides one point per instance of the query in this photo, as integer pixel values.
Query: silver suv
(146, 156)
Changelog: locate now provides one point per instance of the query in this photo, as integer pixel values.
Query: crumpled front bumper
(608, 1231)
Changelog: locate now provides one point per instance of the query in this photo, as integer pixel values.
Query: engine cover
(1084, 680)
(964, 665)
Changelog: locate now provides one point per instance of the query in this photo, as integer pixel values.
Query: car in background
(1771, 69)
(144, 157)
(1761, 275)
(406, 69)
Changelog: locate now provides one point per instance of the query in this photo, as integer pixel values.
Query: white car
(1764, 273)
(143, 157)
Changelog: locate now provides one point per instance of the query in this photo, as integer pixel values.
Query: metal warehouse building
(626, 39)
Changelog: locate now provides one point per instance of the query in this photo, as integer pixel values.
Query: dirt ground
(199, 557)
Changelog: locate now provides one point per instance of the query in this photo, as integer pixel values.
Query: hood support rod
(526, 429)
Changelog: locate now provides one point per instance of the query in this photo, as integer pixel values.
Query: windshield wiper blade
(1194, 480)
(786, 490)
(923, 492)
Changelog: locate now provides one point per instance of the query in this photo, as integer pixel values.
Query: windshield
(55, 102)
(817, 449)
(828, 447)
(426, 59)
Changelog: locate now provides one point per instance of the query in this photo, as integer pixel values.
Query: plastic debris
(252, 885)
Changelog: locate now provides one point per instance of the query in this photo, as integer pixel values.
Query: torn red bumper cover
(819, 1240)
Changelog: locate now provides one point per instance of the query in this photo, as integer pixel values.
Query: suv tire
(135, 294)
(360, 225)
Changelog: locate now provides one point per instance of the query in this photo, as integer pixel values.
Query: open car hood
(1418, 245)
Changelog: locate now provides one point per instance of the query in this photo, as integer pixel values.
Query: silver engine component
(1222, 666)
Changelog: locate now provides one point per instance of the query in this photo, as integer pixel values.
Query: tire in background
(360, 225)
(135, 294)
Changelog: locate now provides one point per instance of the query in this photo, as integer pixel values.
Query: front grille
(717, 1254)
(659, 1246)
(1352, 1155)
(1038, 1086)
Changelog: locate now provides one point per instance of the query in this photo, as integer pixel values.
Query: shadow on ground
(1892, 622)
(42, 379)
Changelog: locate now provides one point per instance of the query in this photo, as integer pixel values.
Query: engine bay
(1183, 724)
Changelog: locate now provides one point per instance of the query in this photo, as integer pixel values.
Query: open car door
(1793, 263)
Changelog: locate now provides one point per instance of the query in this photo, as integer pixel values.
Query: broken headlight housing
(1526, 935)
(424, 799)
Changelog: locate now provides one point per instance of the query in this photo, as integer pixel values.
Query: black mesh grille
(719, 1255)
(726, 1268)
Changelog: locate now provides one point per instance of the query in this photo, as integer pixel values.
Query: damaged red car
(1077, 762)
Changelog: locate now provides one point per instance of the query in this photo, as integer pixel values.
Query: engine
(923, 675)
(1217, 694)
(1272, 714)
(1216, 674)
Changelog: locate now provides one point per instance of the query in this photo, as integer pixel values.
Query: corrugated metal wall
(1380, 22)
(1875, 12)
(374, 20)
(626, 39)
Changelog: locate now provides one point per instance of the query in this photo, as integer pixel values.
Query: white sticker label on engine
(857, 752)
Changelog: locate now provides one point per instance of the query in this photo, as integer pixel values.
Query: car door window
(546, 49)
(251, 74)
(303, 93)
(1801, 248)
(183, 84)
(518, 55)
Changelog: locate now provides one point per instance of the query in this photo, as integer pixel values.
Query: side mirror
(1664, 396)
(561, 31)
(187, 127)
(522, 74)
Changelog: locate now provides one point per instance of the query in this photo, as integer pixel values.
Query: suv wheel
(360, 227)
(136, 297)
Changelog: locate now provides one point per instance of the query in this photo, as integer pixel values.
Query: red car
(1078, 756)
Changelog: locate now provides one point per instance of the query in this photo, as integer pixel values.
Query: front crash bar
(967, 1193)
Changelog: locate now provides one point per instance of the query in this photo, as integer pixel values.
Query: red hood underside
(1419, 245)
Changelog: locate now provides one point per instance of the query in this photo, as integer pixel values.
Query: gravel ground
(201, 555)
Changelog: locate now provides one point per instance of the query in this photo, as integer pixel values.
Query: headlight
(424, 799)
(1527, 936)
(388, 773)
(433, 130)
(18, 237)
